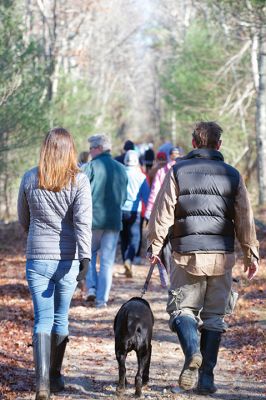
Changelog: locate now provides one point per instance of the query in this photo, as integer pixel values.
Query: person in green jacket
(108, 181)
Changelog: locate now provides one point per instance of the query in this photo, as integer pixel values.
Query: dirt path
(90, 364)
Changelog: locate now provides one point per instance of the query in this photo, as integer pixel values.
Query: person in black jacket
(205, 203)
(128, 145)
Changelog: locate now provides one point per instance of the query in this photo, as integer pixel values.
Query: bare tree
(249, 17)
(57, 24)
(261, 116)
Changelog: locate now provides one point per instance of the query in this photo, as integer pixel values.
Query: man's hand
(153, 259)
(252, 269)
(83, 269)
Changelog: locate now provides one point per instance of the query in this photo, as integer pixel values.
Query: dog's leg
(143, 356)
(121, 359)
(146, 371)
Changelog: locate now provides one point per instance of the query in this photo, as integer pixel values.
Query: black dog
(133, 326)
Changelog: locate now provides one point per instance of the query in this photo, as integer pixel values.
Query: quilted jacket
(58, 223)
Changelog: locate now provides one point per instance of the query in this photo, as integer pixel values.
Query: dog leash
(148, 278)
(163, 277)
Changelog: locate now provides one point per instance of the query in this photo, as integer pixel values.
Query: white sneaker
(101, 305)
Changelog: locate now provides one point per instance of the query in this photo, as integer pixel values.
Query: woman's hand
(83, 269)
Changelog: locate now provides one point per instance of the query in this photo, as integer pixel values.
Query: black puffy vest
(204, 215)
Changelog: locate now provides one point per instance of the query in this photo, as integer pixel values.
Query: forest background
(144, 70)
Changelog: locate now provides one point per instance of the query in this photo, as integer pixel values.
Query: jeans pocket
(36, 267)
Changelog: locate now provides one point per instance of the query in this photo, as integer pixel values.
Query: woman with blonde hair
(54, 207)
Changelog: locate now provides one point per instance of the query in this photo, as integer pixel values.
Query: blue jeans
(130, 234)
(99, 283)
(52, 284)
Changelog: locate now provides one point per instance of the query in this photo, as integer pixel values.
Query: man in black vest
(206, 204)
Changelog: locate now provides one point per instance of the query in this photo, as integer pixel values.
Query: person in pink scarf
(158, 180)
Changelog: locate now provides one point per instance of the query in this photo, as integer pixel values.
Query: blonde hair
(58, 160)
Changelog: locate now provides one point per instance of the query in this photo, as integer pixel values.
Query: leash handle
(148, 278)
(163, 274)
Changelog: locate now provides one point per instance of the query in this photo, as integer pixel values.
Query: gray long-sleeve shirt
(58, 223)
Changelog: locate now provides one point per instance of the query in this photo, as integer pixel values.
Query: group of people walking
(196, 206)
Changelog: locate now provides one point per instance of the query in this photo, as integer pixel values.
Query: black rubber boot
(187, 332)
(41, 353)
(209, 346)
(58, 347)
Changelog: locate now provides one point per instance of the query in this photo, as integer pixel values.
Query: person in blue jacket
(108, 181)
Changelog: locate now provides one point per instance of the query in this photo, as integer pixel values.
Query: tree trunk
(261, 116)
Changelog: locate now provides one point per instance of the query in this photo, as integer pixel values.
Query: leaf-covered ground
(90, 366)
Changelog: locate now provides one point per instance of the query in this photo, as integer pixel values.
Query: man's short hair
(102, 140)
(207, 134)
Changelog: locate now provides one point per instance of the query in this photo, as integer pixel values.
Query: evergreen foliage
(22, 101)
(72, 108)
(195, 87)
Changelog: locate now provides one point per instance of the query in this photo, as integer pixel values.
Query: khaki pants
(203, 297)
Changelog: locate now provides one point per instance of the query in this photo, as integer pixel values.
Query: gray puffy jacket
(58, 223)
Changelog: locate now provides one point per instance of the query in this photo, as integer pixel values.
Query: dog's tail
(136, 328)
